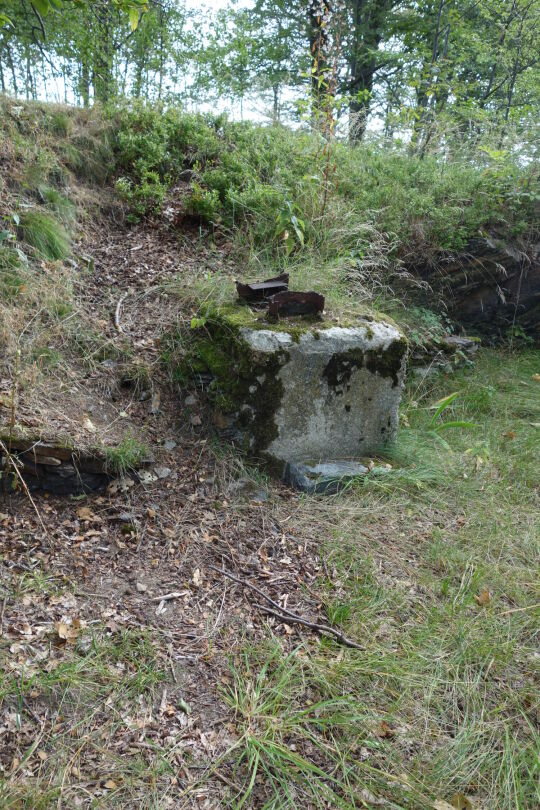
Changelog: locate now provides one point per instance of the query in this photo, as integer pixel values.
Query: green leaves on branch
(290, 228)
(133, 8)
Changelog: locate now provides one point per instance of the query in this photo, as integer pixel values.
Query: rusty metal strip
(295, 303)
(262, 290)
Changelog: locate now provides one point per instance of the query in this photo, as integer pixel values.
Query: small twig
(166, 597)
(519, 609)
(287, 615)
(4, 603)
(292, 618)
(117, 312)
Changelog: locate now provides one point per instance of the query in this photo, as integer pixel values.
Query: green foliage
(204, 203)
(126, 456)
(57, 203)
(11, 278)
(269, 181)
(145, 195)
(44, 233)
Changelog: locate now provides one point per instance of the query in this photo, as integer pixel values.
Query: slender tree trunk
(161, 48)
(2, 79)
(367, 22)
(84, 81)
(275, 108)
(425, 85)
(318, 15)
(13, 72)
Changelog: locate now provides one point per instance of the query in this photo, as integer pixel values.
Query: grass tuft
(126, 456)
(45, 234)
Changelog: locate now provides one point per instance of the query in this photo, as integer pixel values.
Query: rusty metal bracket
(260, 291)
(295, 303)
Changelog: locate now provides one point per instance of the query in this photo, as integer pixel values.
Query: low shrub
(244, 175)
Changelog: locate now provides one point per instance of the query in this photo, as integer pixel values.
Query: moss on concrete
(246, 384)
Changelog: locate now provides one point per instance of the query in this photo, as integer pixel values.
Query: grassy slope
(433, 567)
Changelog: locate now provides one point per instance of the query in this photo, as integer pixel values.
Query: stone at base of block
(324, 478)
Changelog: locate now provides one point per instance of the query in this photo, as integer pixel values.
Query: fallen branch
(117, 312)
(287, 615)
(322, 629)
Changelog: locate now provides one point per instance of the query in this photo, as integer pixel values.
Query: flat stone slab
(326, 478)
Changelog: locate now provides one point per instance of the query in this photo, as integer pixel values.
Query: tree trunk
(367, 22)
(84, 82)
(318, 15)
(275, 108)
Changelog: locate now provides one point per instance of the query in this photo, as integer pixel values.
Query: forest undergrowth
(134, 673)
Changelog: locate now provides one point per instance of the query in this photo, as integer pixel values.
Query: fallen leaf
(509, 434)
(385, 730)
(536, 377)
(146, 477)
(85, 513)
(43, 755)
(89, 426)
(68, 632)
(460, 802)
(440, 804)
(483, 598)
(110, 784)
(197, 579)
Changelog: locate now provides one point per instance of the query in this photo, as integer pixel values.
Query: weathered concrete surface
(340, 389)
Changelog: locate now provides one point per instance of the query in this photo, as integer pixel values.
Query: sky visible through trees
(419, 71)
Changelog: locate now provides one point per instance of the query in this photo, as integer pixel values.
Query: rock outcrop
(492, 288)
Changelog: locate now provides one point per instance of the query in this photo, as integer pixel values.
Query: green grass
(57, 203)
(126, 456)
(45, 234)
(409, 556)
(12, 277)
(253, 179)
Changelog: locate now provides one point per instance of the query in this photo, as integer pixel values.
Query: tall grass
(45, 234)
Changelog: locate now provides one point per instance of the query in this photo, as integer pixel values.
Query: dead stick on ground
(292, 618)
(117, 312)
(287, 615)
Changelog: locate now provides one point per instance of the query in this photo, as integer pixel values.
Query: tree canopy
(423, 71)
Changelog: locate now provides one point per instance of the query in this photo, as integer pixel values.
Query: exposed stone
(445, 353)
(491, 287)
(55, 468)
(326, 478)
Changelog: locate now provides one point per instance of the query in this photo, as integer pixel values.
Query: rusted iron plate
(262, 290)
(295, 303)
